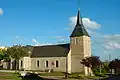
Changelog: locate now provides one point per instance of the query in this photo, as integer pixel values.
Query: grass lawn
(14, 76)
(9, 76)
(53, 74)
(71, 76)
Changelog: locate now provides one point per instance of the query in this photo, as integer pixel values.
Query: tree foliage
(115, 64)
(92, 61)
(1, 54)
(16, 52)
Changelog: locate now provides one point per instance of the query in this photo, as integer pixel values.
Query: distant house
(61, 57)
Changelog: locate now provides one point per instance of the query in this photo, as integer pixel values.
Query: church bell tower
(80, 45)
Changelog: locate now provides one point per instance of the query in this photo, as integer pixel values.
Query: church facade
(61, 57)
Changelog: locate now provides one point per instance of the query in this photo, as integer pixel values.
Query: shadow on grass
(112, 77)
(32, 76)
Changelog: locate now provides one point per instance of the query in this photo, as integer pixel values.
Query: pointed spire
(79, 29)
(79, 19)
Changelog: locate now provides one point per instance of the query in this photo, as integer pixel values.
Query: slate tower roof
(79, 29)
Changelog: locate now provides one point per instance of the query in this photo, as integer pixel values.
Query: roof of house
(60, 50)
(79, 29)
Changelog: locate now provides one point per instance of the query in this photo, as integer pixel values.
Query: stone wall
(51, 63)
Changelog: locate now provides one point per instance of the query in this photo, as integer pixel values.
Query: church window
(46, 63)
(21, 63)
(57, 63)
(77, 40)
(37, 63)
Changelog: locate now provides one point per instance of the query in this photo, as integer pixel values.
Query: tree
(16, 52)
(115, 64)
(1, 54)
(91, 62)
(105, 68)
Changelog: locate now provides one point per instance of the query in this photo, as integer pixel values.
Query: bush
(76, 76)
(2, 68)
(46, 70)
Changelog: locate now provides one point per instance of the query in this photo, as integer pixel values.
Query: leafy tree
(105, 68)
(6, 56)
(91, 62)
(115, 64)
(16, 52)
(1, 54)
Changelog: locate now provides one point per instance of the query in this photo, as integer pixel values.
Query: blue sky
(40, 22)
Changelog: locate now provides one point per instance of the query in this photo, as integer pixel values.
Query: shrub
(2, 68)
(76, 76)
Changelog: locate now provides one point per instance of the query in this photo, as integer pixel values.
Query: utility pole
(109, 57)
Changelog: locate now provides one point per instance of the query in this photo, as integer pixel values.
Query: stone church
(61, 57)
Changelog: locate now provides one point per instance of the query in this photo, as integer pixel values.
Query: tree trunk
(100, 69)
(88, 71)
(16, 65)
(114, 71)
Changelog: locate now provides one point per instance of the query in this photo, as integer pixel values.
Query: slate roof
(79, 29)
(60, 50)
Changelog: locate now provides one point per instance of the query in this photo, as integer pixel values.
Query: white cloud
(112, 46)
(17, 37)
(58, 37)
(90, 24)
(112, 41)
(86, 21)
(46, 44)
(103, 45)
(1, 11)
(36, 42)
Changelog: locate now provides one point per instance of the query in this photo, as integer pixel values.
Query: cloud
(103, 45)
(112, 41)
(46, 44)
(112, 45)
(36, 42)
(1, 11)
(17, 37)
(88, 23)
(60, 39)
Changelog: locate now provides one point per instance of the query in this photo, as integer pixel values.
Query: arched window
(37, 63)
(46, 63)
(57, 63)
(21, 63)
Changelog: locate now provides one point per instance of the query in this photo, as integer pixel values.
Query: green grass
(9, 76)
(52, 74)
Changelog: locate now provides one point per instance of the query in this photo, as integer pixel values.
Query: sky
(47, 22)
